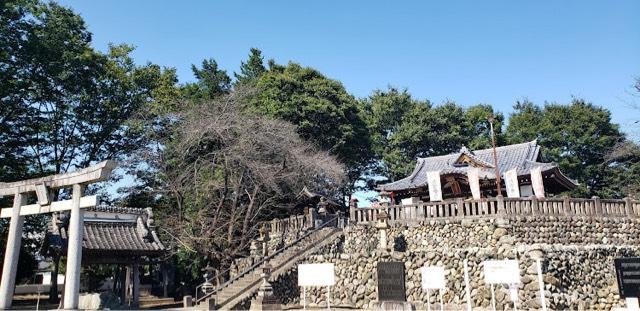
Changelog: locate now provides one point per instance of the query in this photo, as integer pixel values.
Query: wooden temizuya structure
(44, 188)
(471, 174)
(112, 235)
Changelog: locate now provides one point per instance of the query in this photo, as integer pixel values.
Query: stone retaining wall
(577, 256)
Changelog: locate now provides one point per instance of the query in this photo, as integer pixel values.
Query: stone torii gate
(43, 188)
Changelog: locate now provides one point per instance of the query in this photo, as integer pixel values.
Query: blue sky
(471, 52)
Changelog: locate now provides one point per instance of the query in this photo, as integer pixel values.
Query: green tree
(577, 136)
(403, 128)
(13, 30)
(65, 105)
(322, 110)
(211, 82)
(384, 112)
(478, 129)
(252, 69)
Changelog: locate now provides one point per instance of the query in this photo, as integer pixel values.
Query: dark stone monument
(391, 281)
(628, 275)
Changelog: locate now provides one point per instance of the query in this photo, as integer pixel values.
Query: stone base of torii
(43, 188)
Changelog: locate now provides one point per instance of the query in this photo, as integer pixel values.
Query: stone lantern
(264, 238)
(384, 198)
(383, 225)
(265, 300)
(207, 286)
(322, 207)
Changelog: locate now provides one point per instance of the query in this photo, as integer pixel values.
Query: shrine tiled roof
(112, 231)
(521, 157)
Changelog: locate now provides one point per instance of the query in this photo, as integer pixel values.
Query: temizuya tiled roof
(522, 157)
(111, 231)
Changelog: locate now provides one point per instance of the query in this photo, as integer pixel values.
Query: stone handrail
(459, 208)
(292, 223)
(331, 222)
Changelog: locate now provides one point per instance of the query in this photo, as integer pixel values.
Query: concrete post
(12, 252)
(74, 251)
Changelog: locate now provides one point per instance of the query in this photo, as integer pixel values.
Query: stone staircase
(247, 283)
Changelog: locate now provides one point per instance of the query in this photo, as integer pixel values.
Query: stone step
(248, 284)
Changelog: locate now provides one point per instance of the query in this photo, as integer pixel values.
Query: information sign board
(318, 274)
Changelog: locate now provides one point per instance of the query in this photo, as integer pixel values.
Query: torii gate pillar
(74, 251)
(10, 265)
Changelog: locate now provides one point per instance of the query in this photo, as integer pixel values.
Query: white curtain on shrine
(536, 182)
(474, 182)
(511, 182)
(435, 188)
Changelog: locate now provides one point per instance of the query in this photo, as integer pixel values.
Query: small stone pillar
(313, 217)
(566, 206)
(265, 300)
(187, 301)
(628, 207)
(211, 303)
(500, 203)
(597, 204)
(253, 250)
(264, 238)
(353, 205)
(383, 225)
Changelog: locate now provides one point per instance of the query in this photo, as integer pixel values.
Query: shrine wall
(577, 256)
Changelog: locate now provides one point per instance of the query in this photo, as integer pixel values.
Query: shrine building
(471, 174)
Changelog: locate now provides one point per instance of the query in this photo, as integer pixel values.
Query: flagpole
(495, 156)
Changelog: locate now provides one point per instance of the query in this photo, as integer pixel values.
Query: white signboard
(435, 189)
(501, 272)
(536, 182)
(474, 182)
(511, 181)
(318, 274)
(433, 278)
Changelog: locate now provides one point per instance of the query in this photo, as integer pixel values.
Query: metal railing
(334, 220)
(459, 208)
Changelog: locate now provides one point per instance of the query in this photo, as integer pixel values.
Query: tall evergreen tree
(251, 70)
(211, 82)
(322, 110)
(577, 136)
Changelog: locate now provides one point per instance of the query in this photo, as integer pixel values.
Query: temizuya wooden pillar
(74, 251)
(14, 239)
